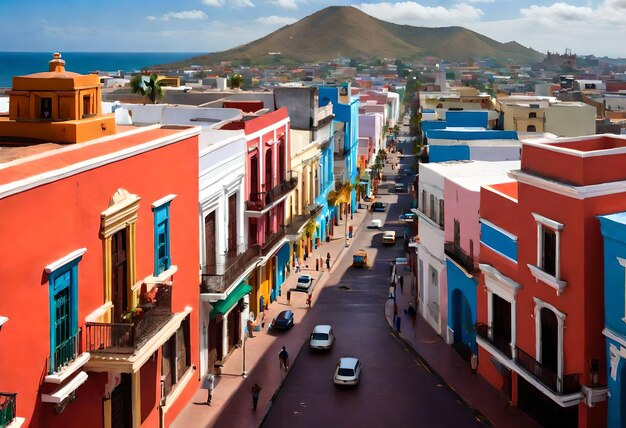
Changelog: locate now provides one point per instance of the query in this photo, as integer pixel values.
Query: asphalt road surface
(395, 390)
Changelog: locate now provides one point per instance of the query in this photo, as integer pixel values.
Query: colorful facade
(101, 316)
(614, 233)
(540, 300)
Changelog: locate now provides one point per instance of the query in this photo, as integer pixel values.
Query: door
(121, 403)
(204, 338)
(502, 324)
(209, 243)
(549, 340)
(232, 228)
(119, 275)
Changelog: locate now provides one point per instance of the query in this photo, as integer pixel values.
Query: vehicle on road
(322, 337)
(408, 217)
(378, 207)
(348, 371)
(304, 282)
(359, 259)
(375, 224)
(389, 238)
(284, 320)
(399, 187)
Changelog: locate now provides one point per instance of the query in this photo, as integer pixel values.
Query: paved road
(395, 390)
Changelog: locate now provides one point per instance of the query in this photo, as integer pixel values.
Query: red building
(540, 298)
(99, 251)
(268, 183)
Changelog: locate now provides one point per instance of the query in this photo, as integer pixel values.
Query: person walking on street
(474, 364)
(308, 300)
(395, 311)
(209, 385)
(401, 281)
(328, 261)
(256, 391)
(283, 359)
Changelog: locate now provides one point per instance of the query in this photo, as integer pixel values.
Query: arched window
(532, 114)
(531, 128)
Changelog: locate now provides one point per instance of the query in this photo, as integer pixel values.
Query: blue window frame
(162, 258)
(64, 333)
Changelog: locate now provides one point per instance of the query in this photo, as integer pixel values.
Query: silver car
(348, 371)
(322, 337)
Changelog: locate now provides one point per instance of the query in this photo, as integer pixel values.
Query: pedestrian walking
(395, 311)
(401, 280)
(209, 385)
(250, 327)
(308, 300)
(256, 391)
(327, 260)
(283, 359)
(474, 364)
(398, 322)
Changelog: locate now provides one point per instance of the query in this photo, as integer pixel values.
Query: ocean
(20, 63)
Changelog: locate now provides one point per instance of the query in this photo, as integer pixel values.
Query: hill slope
(346, 31)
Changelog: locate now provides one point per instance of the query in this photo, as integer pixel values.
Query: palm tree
(341, 196)
(150, 88)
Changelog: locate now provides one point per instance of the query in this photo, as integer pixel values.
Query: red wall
(43, 224)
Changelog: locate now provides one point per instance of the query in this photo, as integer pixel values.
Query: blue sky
(584, 26)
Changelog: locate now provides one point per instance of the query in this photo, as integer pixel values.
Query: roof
(322, 329)
(348, 362)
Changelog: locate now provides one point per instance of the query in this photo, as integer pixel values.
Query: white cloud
(275, 20)
(231, 3)
(481, 1)
(286, 4)
(214, 3)
(241, 3)
(412, 13)
(185, 14)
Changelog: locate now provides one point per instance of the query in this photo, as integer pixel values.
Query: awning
(223, 306)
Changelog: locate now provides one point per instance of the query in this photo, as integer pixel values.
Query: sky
(584, 26)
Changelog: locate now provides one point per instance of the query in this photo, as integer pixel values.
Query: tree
(341, 196)
(150, 88)
(236, 81)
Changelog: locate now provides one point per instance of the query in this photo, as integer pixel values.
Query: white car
(322, 337)
(375, 224)
(304, 282)
(348, 371)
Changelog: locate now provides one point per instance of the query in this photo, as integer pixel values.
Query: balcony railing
(144, 322)
(569, 384)
(461, 257)
(7, 408)
(219, 282)
(260, 200)
(66, 352)
(271, 239)
(486, 333)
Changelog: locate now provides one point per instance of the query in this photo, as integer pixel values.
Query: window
(532, 114)
(548, 266)
(45, 108)
(63, 301)
(441, 217)
(86, 106)
(162, 258)
(424, 201)
(431, 210)
(531, 128)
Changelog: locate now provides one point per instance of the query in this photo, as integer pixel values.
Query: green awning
(223, 306)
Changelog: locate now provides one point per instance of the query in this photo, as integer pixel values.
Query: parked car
(378, 207)
(284, 320)
(348, 371)
(322, 337)
(408, 217)
(359, 258)
(375, 224)
(304, 282)
(389, 238)
(399, 187)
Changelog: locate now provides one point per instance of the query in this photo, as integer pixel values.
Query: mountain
(345, 31)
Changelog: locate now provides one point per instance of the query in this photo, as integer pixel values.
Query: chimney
(56, 63)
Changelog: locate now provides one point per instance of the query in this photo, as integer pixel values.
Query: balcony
(271, 240)
(485, 332)
(66, 352)
(569, 384)
(144, 322)
(457, 254)
(262, 200)
(294, 229)
(219, 282)
(7, 408)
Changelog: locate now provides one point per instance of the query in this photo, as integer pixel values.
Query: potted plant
(133, 315)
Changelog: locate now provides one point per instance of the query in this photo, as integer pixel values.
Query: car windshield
(303, 280)
(283, 316)
(319, 336)
(345, 372)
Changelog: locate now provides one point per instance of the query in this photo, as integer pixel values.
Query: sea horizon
(19, 63)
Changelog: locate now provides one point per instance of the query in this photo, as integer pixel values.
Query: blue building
(346, 110)
(613, 228)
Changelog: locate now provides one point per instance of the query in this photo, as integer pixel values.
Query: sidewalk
(232, 398)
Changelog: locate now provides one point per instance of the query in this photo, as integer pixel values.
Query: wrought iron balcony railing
(66, 352)
(271, 239)
(260, 200)
(568, 384)
(486, 333)
(461, 257)
(8, 403)
(144, 322)
(219, 282)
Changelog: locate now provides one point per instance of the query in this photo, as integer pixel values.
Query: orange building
(99, 271)
(540, 298)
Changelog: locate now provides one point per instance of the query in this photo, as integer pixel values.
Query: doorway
(119, 275)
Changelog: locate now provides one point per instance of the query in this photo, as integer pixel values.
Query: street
(395, 389)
